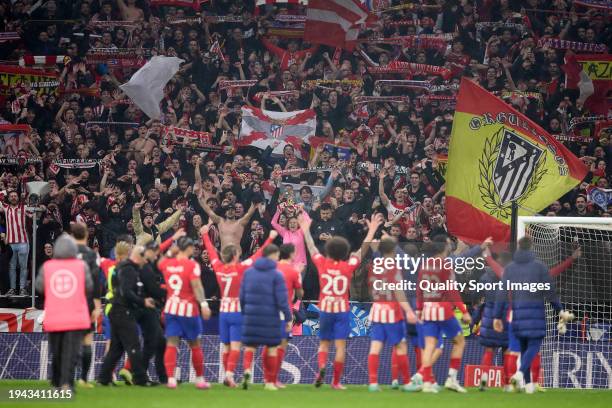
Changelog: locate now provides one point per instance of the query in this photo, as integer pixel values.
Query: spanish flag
(496, 156)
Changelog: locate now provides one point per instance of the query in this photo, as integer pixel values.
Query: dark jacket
(488, 336)
(333, 227)
(152, 279)
(91, 259)
(127, 287)
(263, 296)
(528, 309)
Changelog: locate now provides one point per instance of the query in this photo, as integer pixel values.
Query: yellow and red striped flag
(496, 156)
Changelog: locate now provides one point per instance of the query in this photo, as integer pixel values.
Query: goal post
(582, 357)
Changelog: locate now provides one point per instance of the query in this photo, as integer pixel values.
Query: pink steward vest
(65, 301)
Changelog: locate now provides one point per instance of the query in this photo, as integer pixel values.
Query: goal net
(582, 357)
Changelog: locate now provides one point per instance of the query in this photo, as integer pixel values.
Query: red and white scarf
(388, 99)
(559, 44)
(43, 60)
(401, 67)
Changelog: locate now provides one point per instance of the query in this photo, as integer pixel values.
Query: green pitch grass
(306, 396)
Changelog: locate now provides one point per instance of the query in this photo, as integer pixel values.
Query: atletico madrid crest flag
(263, 129)
(496, 156)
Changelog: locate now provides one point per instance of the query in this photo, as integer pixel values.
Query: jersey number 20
(334, 285)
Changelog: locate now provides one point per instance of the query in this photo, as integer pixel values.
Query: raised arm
(560, 268)
(136, 221)
(198, 176)
(211, 214)
(305, 223)
(275, 223)
(246, 217)
(279, 52)
(210, 248)
(257, 254)
(329, 185)
(381, 188)
(376, 221)
(164, 246)
(169, 222)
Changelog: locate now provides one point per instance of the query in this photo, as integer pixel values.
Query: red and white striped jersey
(16, 231)
(293, 279)
(229, 276)
(386, 312)
(178, 274)
(334, 280)
(435, 312)
(438, 305)
(385, 308)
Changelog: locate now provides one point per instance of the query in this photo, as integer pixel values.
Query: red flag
(335, 22)
(576, 78)
(596, 69)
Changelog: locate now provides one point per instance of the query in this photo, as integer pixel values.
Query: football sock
(197, 359)
(170, 360)
(373, 360)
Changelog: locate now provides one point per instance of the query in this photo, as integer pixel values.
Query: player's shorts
(389, 333)
(418, 340)
(514, 344)
(334, 326)
(106, 327)
(230, 327)
(187, 328)
(449, 328)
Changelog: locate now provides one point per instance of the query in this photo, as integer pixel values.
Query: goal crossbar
(522, 221)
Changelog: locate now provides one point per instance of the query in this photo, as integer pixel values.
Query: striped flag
(12, 138)
(335, 22)
(263, 129)
(264, 2)
(498, 156)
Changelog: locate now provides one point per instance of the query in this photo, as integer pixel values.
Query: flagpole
(513, 226)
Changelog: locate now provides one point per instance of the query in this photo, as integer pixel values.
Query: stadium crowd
(150, 190)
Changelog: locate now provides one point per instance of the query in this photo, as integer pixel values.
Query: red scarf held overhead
(401, 67)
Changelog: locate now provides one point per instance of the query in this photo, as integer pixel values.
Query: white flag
(146, 87)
